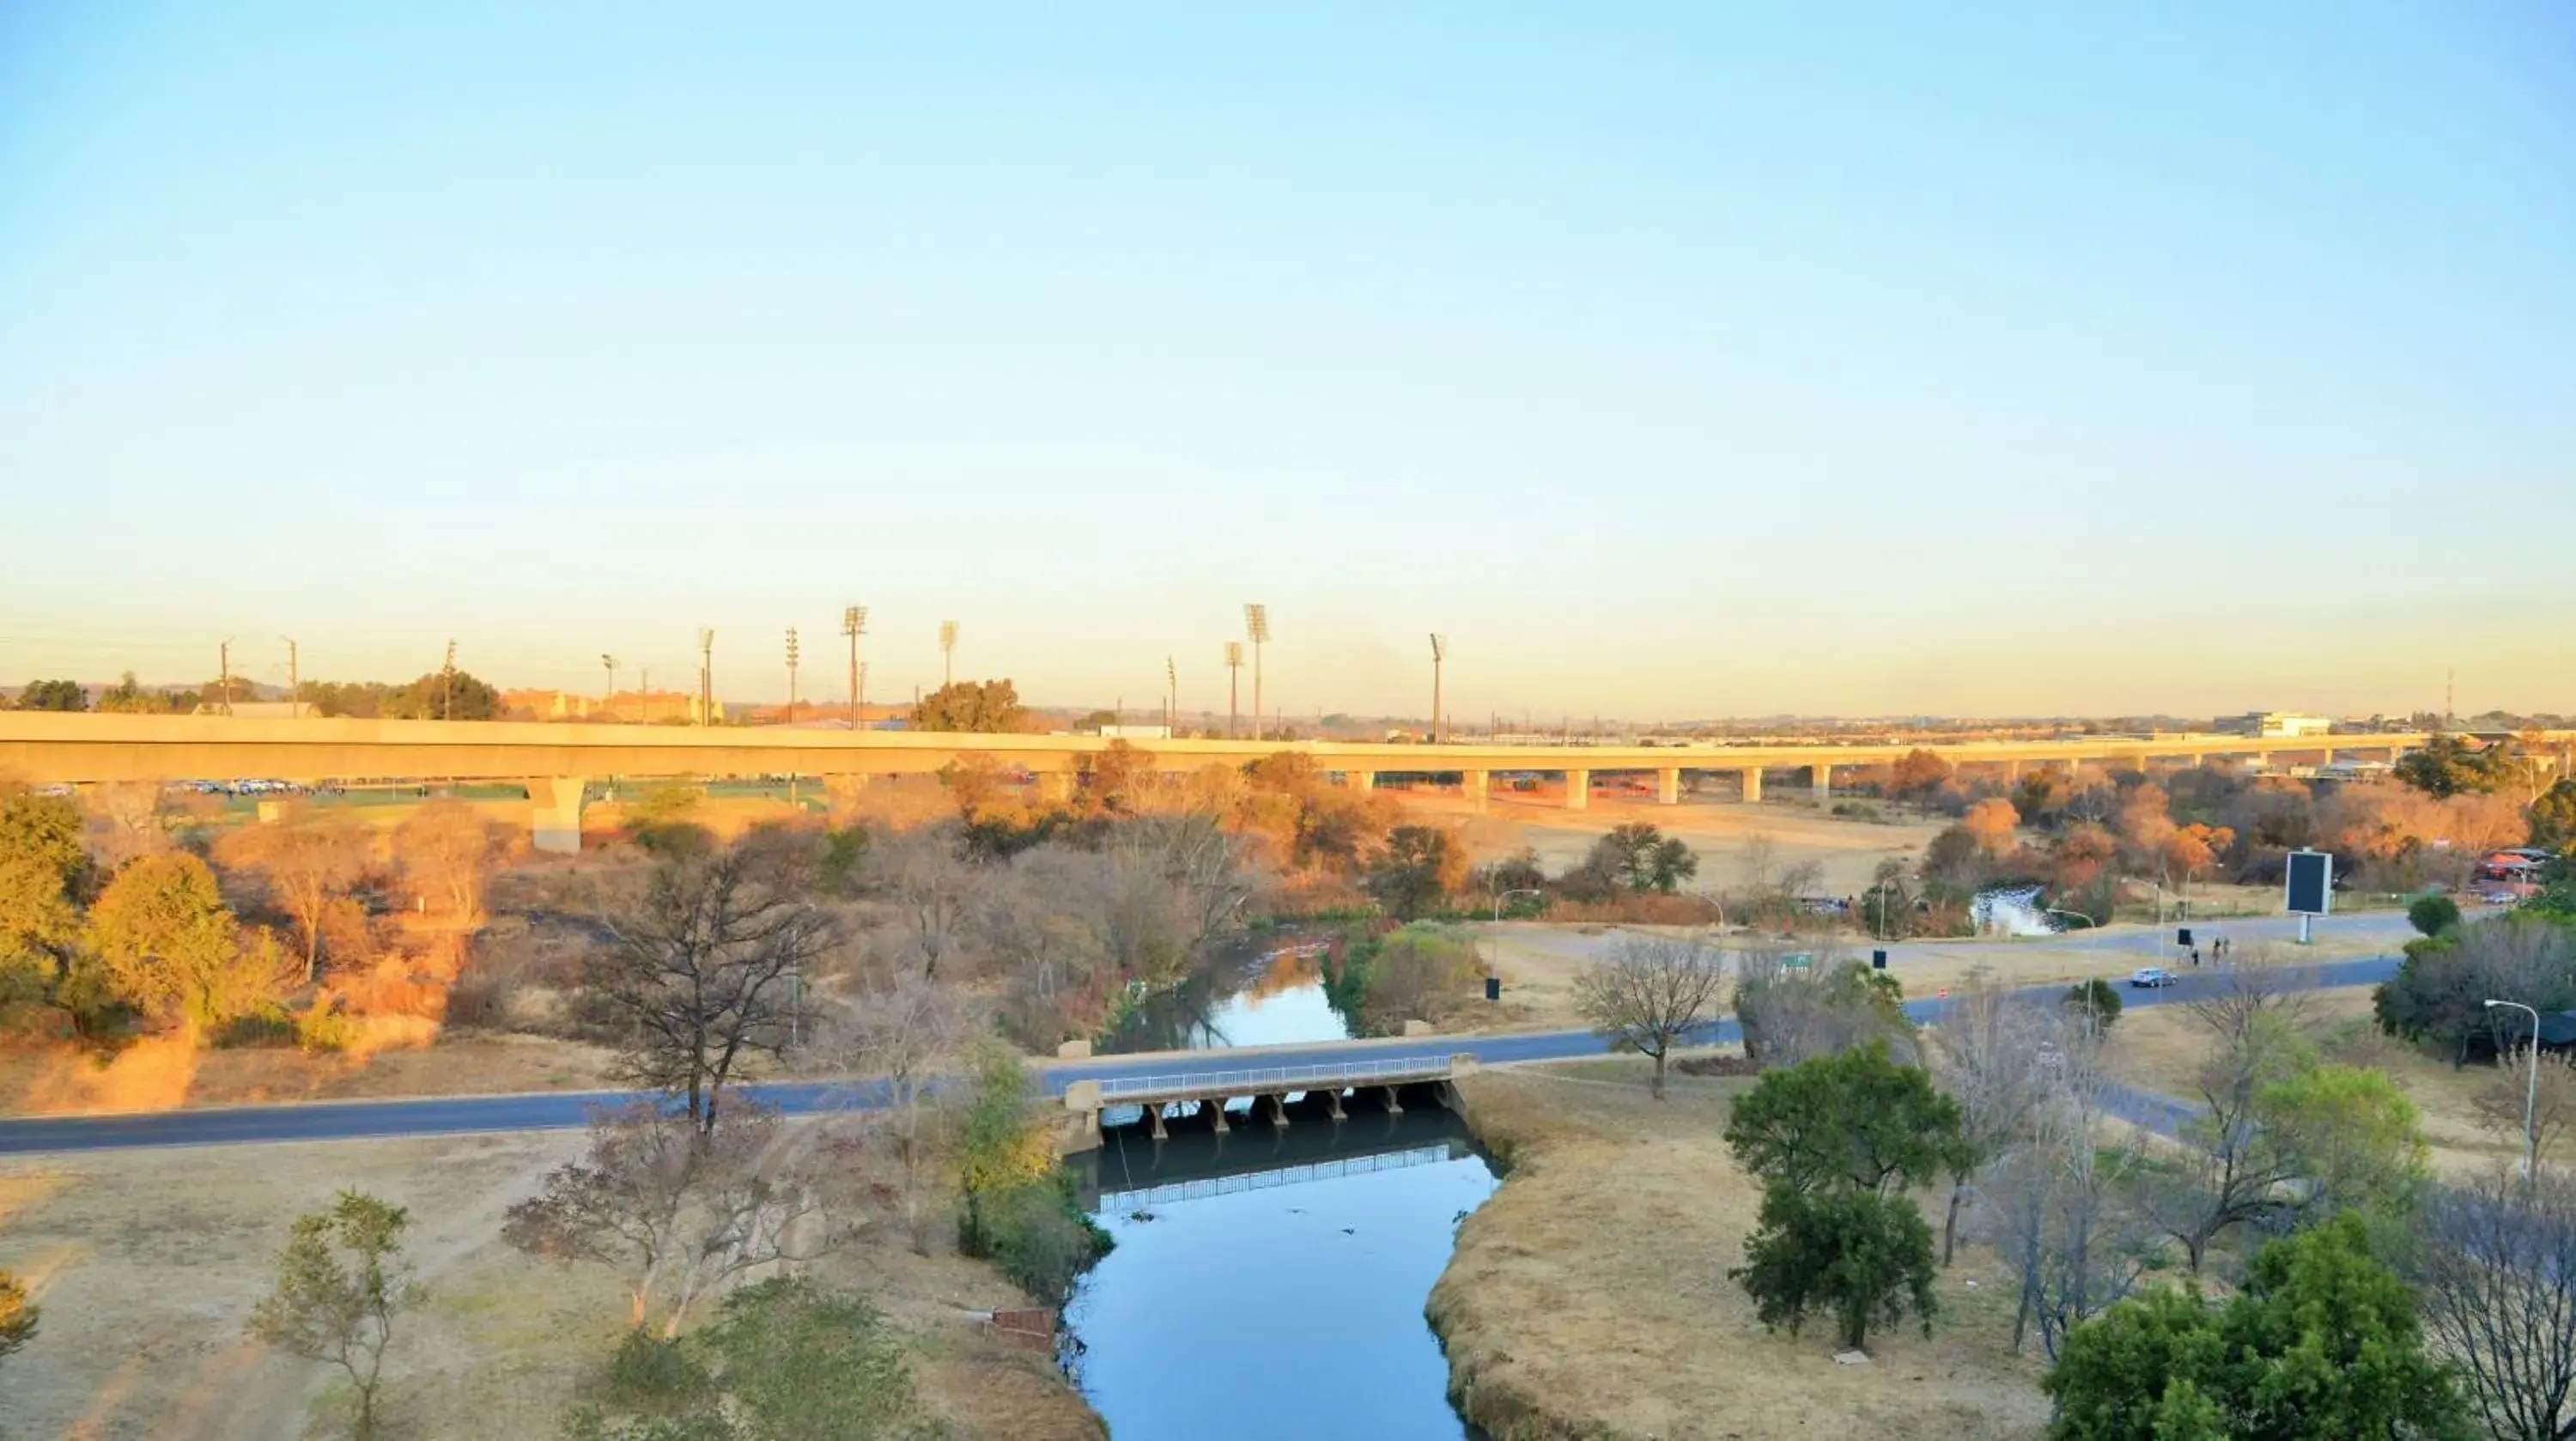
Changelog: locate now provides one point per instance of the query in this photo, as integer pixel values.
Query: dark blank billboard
(2311, 883)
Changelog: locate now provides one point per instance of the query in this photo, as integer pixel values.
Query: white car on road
(2152, 976)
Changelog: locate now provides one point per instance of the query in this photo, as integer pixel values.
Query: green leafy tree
(2323, 1344)
(43, 869)
(1856, 1119)
(989, 707)
(1860, 1257)
(341, 1282)
(2097, 1001)
(1420, 867)
(166, 944)
(2553, 816)
(2356, 1139)
(58, 695)
(2447, 766)
(1837, 1140)
(18, 1316)
(2433, 914)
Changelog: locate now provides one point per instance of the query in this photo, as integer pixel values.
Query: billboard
(2311, 883)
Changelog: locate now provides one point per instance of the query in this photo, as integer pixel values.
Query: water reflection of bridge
(1130, 1170)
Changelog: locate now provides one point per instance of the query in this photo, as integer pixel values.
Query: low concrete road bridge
(1209, 1089)
(1131, 1168)
(557, 763)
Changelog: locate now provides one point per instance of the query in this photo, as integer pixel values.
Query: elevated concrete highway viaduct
(556, 761)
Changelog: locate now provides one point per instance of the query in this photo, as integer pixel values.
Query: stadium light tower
(854, 622)
(706, 676)
(1233, 685)
(947, 652)
(1256, 624)
(608, 699)
(1439, 653)
(791, 675)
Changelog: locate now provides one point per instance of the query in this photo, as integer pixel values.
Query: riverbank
(1589, 1297)
(501, 1346)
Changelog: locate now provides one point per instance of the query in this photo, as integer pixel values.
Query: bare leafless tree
(1987, 1052)
(923, 875)
(902, 1032)
(1792, 1009)
(1758, 857)
(2551, 1098)
(2057, 1196)
(2496, 1280)
(1649, 994)
(446, 851)
(307, 862)
(706, 965)
(677, 1213)
(2232, 1170)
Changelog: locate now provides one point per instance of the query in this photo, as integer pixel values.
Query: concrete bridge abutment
(1578, 790)
(1477, 786)
(1668, 787)
(554, 804)
(1752, 784)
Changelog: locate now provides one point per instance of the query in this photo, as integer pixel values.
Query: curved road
(451, 1115)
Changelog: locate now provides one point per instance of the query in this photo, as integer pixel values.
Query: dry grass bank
(167, 1073)
(147, 1264)
(1589, 1298)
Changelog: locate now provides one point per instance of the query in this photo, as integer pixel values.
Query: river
(1268, 1283)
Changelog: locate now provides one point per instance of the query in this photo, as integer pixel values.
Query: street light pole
(706, 676)
(854, 619)
(1233, 687)
(2530, 1096)
(608, 698)
(1439, 652)
(1507, 895)
(294, 681)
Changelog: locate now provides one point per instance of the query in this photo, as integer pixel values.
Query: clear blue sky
(1700, 360)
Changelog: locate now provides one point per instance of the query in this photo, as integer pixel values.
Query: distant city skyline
(1683, 362)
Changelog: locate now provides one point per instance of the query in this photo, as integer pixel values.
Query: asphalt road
(456, 1115)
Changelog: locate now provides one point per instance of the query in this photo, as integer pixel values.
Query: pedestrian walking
(2195, 955)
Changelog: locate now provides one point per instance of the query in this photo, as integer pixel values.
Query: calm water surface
(1282, 1303)
(1269, 1283)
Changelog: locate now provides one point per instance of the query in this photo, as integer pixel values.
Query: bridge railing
(1263, 1080)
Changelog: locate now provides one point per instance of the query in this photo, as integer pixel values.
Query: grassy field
(1589, 1297)
(147, 1263)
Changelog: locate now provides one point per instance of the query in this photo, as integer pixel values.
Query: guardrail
(1277, 1078)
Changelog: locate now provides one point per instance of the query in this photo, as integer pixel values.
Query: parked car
(2151, 976)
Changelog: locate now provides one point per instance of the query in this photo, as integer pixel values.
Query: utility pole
(294, 681)
(225, 654)
(706, 675)
(1171, 697)
(447, 685)
(791, 675)
(854, 619)
(643, 694)
(2450, 693)
(947, 653)
(1256, 624)
(1439, 653)
(1233, 686)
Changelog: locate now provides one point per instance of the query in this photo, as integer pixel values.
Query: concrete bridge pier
(1278, 1109)
(1216, 1114)
(555, 812)
(1055, 787)
(1824, 782)
(1333, 1105)
(1360, 780)
(2012, 773)
(1475, 784)
(1752, 784)
(1578, 790)
(1668, 787)
(1394, 1101)
(1154, 1114)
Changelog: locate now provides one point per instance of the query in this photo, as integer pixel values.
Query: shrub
(2097, 1000)
(2433, 914)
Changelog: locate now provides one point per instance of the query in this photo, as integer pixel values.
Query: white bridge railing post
(1265, 1079)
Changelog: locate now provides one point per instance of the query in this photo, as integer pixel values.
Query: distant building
(548, 704)
(1136, 733)
(2274, 725)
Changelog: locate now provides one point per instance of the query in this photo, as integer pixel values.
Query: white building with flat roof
(2275, 724)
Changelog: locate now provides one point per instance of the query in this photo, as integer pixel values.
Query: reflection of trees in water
(1185, 1017)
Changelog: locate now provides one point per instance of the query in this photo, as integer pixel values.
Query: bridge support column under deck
(1215, 1107)
(1668, 787)
(1578, 790)
(554, 819)
(1824, 782)
(1475, 784)
(1278, 1110)
(2012, 773)
(1360, 780)
(1394, 1102)
(1154, 1113)
(1333, 1105)
(1752, 784)
(1055, 787)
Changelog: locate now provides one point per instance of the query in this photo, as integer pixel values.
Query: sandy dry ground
(1847, 850)
(147, 1263)
(1589, 1297)
(2162, 1050)
(160, 1075)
